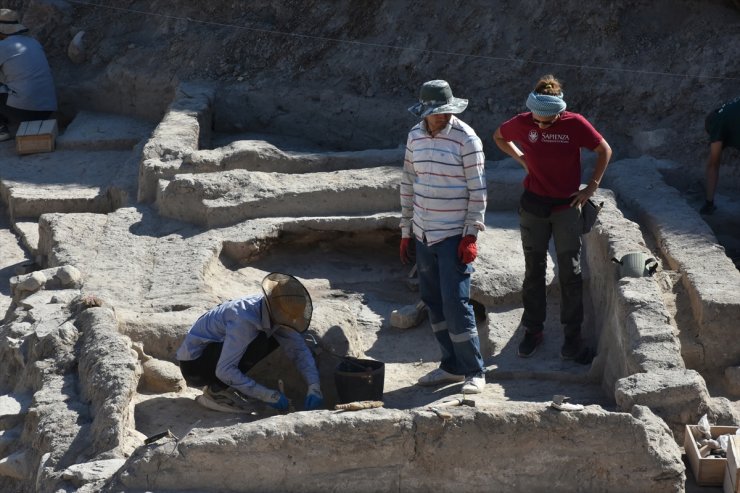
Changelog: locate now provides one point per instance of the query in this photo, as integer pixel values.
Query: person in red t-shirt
(547, 142)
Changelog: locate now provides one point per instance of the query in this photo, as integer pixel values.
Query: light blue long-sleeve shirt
(237, 323)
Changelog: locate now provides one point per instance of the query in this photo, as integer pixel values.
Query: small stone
(16, 466)
(408, 316)
(161, 376)
(88, 472)
(32, 282)
(76, 48)
(68, 275)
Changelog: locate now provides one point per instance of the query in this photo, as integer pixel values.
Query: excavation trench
(158, 264)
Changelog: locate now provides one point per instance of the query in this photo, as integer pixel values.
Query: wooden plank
(727, 483)
(22, 129)
(34, 126)
(48, 127)
(733, 464)
(692, 451)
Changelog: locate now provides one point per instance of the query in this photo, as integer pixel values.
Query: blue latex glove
(281, 403)
(313, 402)
(314, 398)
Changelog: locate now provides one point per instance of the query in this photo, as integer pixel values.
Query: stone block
(161, 377)
(408, 316)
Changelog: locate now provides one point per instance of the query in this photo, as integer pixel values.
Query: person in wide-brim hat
(443, 202)
(9, 24)
(225, 343)
(435, 97)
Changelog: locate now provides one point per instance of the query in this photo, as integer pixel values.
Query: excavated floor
(354, 277)
(357, 281)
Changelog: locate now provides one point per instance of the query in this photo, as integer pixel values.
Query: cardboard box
(732, 478)
(36, 136)
(707, 471)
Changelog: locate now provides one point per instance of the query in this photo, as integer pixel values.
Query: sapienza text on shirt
(555, 138)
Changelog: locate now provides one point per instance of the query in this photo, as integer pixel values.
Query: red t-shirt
(553, 154)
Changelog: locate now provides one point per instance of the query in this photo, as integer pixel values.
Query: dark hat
(435, 98)
(9, 23)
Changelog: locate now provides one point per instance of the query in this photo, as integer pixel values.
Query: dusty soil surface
(355, 282)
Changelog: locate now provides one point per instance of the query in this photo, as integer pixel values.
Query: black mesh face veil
(288, 301)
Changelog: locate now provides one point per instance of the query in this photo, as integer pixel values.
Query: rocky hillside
(342, 73)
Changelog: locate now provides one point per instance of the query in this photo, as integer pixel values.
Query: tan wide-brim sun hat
(288, 302)
(9, 23)
(435, 97)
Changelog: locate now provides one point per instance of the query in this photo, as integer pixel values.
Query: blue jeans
(444, 283)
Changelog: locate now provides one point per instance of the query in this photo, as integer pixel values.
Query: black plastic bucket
(359, 380)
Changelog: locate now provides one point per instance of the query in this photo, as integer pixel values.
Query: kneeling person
(230, 339)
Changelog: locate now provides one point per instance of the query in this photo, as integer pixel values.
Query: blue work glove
(278, 401)
(314, 398)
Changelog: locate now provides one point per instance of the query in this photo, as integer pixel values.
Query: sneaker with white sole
(5, 133)
(439, 376)
(227, 400)
(474, 384)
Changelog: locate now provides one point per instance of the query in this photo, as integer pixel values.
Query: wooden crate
(36, 136)
(732, 471)
(707, 471)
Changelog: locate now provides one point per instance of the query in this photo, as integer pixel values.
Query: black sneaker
(571, 348)
(708, 208)
(529, 344)
(4, 133)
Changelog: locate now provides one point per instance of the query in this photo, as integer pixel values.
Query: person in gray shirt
(27, 89)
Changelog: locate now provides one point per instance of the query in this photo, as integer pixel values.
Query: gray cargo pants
(565, 228)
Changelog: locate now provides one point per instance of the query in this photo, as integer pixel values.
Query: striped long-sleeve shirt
(443, 189)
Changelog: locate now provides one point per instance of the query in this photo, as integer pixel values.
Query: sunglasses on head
(545, 122)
